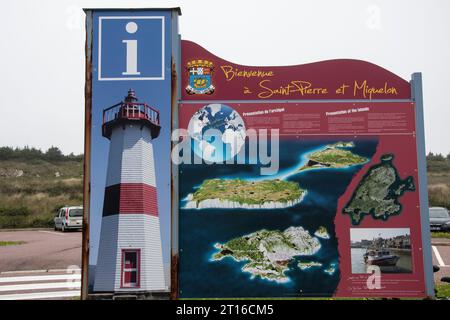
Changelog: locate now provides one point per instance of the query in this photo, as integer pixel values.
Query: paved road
(46, 266)
(43, 250)
(441, 258)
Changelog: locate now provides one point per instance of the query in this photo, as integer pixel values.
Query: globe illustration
(217, 133)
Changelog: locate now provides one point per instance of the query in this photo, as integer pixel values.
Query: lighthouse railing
(111, 113)
(131, 110)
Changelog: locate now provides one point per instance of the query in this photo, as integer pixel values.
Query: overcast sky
(42, 52)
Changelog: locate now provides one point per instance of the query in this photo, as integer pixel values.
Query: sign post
(417, 96)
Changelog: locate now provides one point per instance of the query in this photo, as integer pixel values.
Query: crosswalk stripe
(32, 271)
(40, 286)
(41, 295)
(438, 256)
(49, 284)
(41, 278)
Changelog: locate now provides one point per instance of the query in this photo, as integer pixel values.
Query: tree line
(55, 154)
(437, 157)
(27, 153)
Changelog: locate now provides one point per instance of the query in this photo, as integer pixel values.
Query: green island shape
(331, 269)
(333, 156)
(269, 252)
(322, 232)
(308, 265)
(232, 193)
(378, 192)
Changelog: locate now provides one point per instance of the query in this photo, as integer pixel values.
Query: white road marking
(33, 271)
(438, 256)
(41, 295)
(14, 286)
(41, 278)
(40, 286)
(52, 232)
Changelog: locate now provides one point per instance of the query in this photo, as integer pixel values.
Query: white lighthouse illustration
(130, 253)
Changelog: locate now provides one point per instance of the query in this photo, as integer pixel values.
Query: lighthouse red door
(131, 260)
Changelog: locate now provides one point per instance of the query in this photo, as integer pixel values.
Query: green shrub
(9, 222)
(14, 222)
(27, 153)
(14, 211)
(439, 197)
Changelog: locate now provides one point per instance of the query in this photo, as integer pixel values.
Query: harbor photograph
(387, 248)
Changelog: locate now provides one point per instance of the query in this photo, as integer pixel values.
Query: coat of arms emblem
(200, 77)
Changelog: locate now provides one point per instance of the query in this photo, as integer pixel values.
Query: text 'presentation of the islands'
(333, 156)
(269, 252)
(378, 192)
(237, 193)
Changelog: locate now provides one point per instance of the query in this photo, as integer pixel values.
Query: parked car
(69, 218)
(439, 219)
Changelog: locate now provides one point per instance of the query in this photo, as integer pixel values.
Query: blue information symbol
(131, 48)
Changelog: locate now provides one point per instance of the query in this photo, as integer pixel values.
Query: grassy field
(443, 291)
(438, 180)
(31, 190)
(440, 235)
(10, 243)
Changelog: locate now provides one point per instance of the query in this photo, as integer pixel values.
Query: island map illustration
(275, 234)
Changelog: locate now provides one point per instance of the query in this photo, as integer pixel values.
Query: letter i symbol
(131, 54)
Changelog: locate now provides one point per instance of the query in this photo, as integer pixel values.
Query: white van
(69, 218)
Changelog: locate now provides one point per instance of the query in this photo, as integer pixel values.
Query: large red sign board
(347, 134)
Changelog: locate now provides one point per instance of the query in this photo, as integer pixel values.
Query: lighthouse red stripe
(127, 198)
